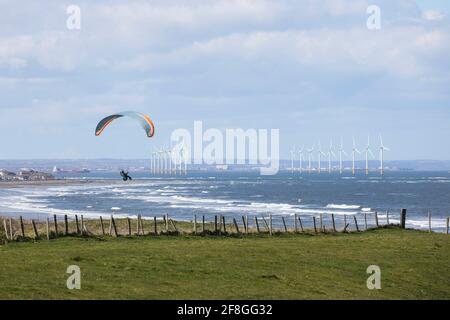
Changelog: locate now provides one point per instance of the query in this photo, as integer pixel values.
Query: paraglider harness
(125, 176)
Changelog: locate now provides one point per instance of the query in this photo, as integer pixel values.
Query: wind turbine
(341, 151)
(161, 161)
(151, 162)
(330, 154)
(292, 159)
(367, 152)
(300, 155)
(156, 168)
(354, 152)
(310, 151)
(382, 149)
(183, 159)
(320, 154)
(169, 159)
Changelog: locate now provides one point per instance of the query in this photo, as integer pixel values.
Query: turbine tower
(300, 156)
(169, 162)
(341, 151)
(310, 151)
(368, 151)
(183, 160)
(354, 152)
(320, 154)
(154, 162)
(161, 161)
(292, 159)
(330, 154)
(151, 162)
(382, 149)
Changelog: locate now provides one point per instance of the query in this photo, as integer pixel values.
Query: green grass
(414, 265)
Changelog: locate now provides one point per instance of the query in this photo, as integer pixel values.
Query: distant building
(32, 175)
(7, 175)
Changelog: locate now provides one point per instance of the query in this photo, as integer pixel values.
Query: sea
(237, 194)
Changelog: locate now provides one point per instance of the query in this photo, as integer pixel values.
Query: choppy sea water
(233, 194)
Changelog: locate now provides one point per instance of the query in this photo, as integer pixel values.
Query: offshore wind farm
(334, 157)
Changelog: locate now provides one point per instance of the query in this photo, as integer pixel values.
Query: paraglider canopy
(144, 120)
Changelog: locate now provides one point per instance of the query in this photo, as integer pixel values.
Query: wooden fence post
(114, 226)
(110, 226)
(429, 221)
(82, 225)
(376, 219)
(334, 223)
(243, 223)
(356, 223)
(173, 225)
(246, 223)
(22, 229)
(76, 223)
(220, 225)
(321, 222)
(403, 218)
(48, 229)
(142, 225)
(271, 224)
(195, 224)
(155, 226)
(203, 223)
(387, 217)
(66, 225)
(345, 227)
(138, 225)
(314, 223)
(236, 225)
(102, 226)
(257, 224)
(6, 229)
(266, 224)
(56, 225)
(11, 231)
(365, 221)
(36, 233)
(215, 224)
(167, 222)
(448, 223)
(295, 223)
(129, 226)
(224, 225)
(284, 223)
(345, 222)
(301, 224)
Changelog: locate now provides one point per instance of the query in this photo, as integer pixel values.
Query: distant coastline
(52, 183)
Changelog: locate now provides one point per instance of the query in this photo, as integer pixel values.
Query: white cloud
(433, 15)
(247, 58)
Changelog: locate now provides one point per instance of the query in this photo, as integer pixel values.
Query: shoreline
(61, 182)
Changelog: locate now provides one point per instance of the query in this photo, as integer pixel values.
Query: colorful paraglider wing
(144, 120)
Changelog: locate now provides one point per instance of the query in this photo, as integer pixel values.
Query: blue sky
(310, 68)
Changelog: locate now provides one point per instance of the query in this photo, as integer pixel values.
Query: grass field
(414, 265)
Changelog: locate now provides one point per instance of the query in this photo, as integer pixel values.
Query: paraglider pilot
(125, 176)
